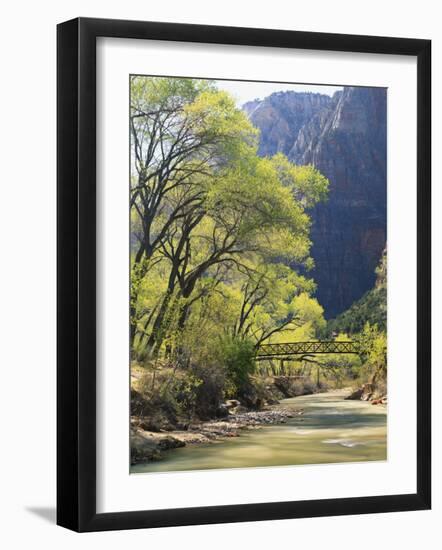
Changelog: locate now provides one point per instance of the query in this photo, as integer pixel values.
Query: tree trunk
(157, 335)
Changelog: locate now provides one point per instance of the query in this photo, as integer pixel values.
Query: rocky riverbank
(148, 445)
(370, 392)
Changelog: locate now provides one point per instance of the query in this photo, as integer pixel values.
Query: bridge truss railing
(268, 351)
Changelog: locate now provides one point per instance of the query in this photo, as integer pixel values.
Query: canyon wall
(344, 136)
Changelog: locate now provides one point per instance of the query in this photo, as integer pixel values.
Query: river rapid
(330, 430)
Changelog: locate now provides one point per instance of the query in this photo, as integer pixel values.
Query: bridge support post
(281, 366)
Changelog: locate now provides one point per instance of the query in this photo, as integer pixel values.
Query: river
(331, 429)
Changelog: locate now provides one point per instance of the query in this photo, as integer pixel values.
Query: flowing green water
(330, 430)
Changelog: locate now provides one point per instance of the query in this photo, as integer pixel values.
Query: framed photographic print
(243, 274)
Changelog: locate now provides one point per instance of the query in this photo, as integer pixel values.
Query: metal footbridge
(288, 349)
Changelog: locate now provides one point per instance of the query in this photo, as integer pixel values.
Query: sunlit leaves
(214, 227)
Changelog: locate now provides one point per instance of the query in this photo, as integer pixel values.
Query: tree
(183, 132)
(373, 344)
(275, 301)
(209, 217)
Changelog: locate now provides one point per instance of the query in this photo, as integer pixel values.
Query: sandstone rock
(345, 138)
(170, 443)
(281, 116)
(146, 446)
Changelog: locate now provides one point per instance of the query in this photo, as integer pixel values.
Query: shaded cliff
(372, 308)
(345, 138)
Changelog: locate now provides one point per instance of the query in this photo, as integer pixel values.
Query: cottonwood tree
(210, 217)
(183, 132)
(275, 301)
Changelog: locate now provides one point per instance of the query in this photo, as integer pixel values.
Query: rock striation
(345, 137)
(281, 116)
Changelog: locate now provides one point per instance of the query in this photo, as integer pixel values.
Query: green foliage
(238, 358)
(342, 366)
(213, 225)
(210, 394)
(185, 392)
(371, 308)
(169, 393)
(307, 185)
(373, 343)
(364, 322)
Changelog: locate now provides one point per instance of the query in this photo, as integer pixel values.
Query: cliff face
(281, 116)
(372, 307)
(345, 138)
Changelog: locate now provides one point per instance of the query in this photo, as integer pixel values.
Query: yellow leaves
(269, 216)
(154, 92)
(306, 183)
(217, 220)
(374, 343)
(341, 337)
(309, 308)
(215, 111)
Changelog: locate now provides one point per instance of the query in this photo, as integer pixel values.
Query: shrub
(238, 358)
(139, 405)
(209, 394)
(290, 387)
(168, 393)
(185, 392)
(155, 396)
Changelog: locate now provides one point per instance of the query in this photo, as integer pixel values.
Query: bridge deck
(305, 348)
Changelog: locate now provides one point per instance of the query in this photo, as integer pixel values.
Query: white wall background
(27, 289)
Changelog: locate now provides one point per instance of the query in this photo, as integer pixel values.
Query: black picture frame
(76, 274)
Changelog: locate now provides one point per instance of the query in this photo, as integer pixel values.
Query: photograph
(223, 325)
(258, 273)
